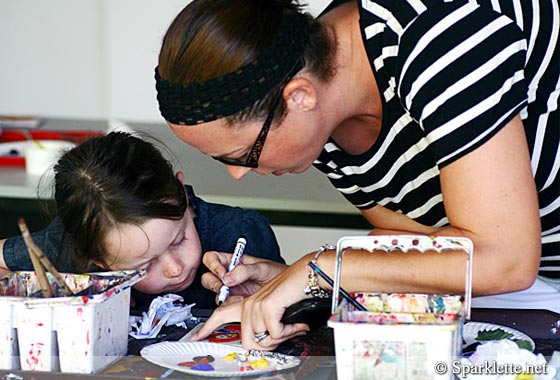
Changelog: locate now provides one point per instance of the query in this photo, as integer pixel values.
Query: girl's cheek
(148, 285)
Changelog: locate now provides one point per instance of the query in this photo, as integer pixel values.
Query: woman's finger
(260, 272)
(220, 316)
(269, 342)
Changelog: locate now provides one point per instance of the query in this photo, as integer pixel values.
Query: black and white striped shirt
(451, 75)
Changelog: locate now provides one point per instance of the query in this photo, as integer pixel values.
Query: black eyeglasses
(252, 160)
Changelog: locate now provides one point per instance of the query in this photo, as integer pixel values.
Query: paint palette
(216, 360)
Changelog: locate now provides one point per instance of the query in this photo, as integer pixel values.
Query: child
(120, 206)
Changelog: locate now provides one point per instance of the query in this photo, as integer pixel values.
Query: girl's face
(169, 250)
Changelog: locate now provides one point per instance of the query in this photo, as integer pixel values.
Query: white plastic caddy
(404, 351)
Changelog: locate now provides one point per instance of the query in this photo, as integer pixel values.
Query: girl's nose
(237, 172)
(173, 267)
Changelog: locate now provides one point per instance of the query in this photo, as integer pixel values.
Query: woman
(430, 117)
(121, 206)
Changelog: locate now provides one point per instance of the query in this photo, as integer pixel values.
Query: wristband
(312, 289)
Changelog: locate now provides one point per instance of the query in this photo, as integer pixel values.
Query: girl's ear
(300, 94)
(100, 265)
(180, 176)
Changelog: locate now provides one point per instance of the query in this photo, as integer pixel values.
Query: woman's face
(169, 250)
(289, 148)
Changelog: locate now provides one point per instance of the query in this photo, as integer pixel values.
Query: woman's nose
(237, 172)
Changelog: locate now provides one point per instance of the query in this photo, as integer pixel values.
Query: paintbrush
(40, 262)
(329, 281)
(46, 290)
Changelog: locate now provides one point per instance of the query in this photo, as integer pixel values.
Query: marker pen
(235, 259)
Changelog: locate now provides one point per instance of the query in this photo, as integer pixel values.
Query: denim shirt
(218, 228)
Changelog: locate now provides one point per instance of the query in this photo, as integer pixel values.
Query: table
(316, 349)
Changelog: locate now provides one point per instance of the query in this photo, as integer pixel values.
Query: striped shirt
(451, 74)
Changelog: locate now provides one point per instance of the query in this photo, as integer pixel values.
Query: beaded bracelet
(312, 289)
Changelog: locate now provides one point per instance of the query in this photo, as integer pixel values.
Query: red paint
(33, 355)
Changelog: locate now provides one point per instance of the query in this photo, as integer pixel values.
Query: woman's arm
(489, 197)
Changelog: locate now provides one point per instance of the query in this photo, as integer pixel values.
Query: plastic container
(42, 155)
(401, 336)
(83, 333)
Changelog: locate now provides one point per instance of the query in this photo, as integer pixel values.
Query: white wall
(86, 58)
(297, 241)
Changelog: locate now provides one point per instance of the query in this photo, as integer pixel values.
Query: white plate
(171, 354)
(471, 329)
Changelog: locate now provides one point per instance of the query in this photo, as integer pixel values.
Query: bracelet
(312, 289)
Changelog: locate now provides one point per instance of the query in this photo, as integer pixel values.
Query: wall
(84, 59)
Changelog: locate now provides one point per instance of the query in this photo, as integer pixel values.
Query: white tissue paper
(504, 360)
(163, 311)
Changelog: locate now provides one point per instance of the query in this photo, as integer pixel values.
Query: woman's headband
(219, 97)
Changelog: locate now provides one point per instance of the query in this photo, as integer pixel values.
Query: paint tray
(83, 333)
(400, 335)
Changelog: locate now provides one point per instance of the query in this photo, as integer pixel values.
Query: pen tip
(220, 303)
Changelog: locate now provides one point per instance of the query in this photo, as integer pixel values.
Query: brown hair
(111, 180)
(211, 38)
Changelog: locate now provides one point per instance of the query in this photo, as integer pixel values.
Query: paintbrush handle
(46, 290)
(343, 292)
(38, 254)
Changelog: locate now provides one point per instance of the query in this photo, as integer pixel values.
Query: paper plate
(180, 356)
(471, 330)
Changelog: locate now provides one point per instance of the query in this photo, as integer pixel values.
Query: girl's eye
(149, 264)
(179, 243)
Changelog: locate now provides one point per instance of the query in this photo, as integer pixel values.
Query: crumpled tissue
(502, 359)
(163, 311)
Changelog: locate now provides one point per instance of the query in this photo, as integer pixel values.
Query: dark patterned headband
(219, 97)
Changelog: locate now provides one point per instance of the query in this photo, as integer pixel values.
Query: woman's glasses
(252, 160)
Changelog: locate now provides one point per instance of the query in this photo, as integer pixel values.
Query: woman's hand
(262, 311)
(247, 278)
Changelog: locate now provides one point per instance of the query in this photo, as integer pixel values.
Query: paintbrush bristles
(36, 253)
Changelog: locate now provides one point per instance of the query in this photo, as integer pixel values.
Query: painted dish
(479, 332)
(216, 360)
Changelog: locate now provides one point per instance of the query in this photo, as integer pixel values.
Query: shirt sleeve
(461, 75)
(50, 240)
(219, 227)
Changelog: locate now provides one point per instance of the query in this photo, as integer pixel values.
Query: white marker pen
(235, 259)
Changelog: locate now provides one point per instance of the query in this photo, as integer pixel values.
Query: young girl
(121, 206)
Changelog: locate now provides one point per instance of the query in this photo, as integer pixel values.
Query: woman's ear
(300, 94)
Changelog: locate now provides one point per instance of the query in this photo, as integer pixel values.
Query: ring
(261, 336)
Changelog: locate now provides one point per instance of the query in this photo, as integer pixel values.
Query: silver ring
(261, 336)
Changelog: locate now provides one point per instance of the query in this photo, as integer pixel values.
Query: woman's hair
(212, 38)
(111, 180)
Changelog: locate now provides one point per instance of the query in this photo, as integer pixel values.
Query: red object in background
(17, 161)
(75, 136)
(15, 135)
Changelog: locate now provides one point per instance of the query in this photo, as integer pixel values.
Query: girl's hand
(247, 278)
(262, 311)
